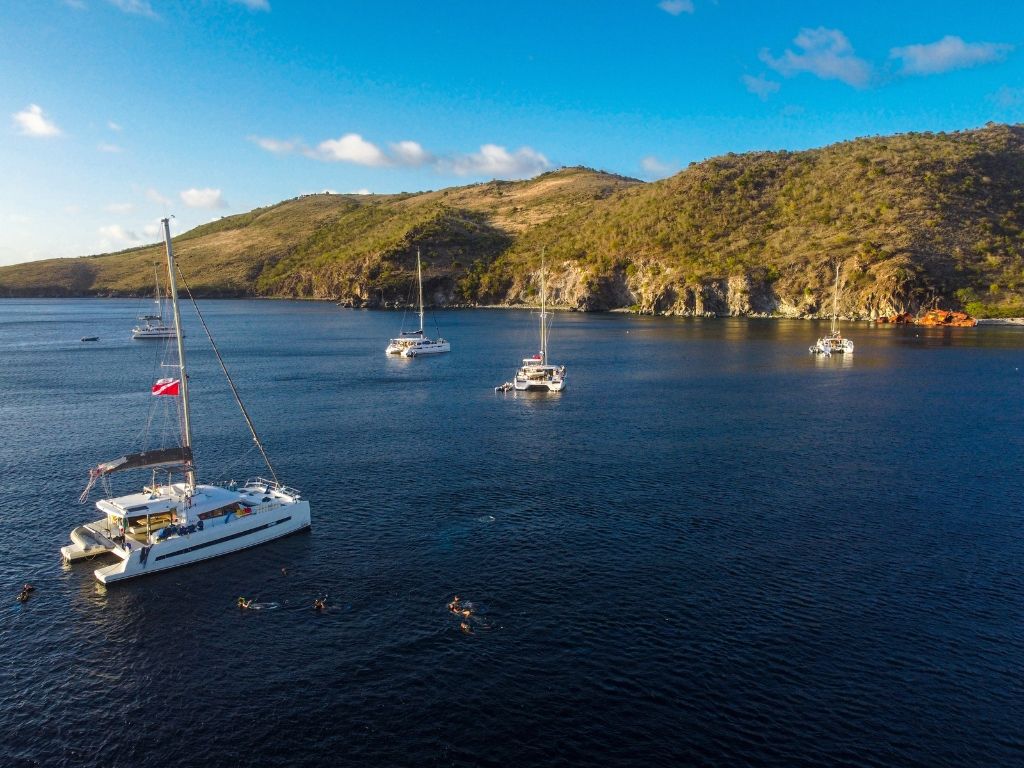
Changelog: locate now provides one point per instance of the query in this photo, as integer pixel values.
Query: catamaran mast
(835, 304)
(419, 279)
(159, 302)
(543, 315)
(190, 473)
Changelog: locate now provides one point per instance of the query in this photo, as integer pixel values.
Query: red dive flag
(166, 387)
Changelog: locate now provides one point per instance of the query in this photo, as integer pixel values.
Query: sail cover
(159, 457)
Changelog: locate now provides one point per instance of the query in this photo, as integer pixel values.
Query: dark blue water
(711, 549)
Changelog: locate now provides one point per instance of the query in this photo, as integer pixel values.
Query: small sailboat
(153, 326)
(536, 372)
(834, 342)
(415, 343)
(170, 524)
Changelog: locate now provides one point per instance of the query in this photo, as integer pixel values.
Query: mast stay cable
(231, 383)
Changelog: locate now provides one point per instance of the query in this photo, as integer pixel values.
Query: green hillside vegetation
(914, 220)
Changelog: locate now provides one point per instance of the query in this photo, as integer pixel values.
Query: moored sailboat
(171, 524)
(153, 326)
(416, 343)
(834, 342)
(537, 373)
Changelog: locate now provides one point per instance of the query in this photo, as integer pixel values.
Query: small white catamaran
(178, 523)
(153, 326)
(536, 372)
(415, 343)
(834, 342)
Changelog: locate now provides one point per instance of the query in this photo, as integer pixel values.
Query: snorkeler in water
(455, 605)
(320, 603)
(465, 628)
(244, 604)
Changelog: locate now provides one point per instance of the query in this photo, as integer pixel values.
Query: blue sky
(118, 112)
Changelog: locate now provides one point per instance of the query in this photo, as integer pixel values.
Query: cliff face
(911, 220)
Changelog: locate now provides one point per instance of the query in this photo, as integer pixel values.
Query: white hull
(270, 514)
(427, 348)
(153, 333)
(210, 542)
(541, 386)
(831, 345)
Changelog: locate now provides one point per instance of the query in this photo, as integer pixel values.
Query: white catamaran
(153, 326)
(415, 343)
(536, 372)
(834, 342)
(178, 523)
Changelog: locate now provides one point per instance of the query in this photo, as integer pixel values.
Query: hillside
(914, 219)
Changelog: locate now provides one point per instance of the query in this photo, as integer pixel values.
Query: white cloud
(156, 197)
(203, 198)
(350, 148)
(119, 208)
(152, 230)
(493, 160)
(363, 191)
(825, 53)
(277, 146)
(410, 153)
(113, 126)
(110, 148)
(656, 167)
(254, 5)
(761, 86)
(136, 7)
(947, 54)
(32, 122)
(676, 7)
(115, 233)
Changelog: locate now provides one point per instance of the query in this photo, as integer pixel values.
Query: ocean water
(712, 549)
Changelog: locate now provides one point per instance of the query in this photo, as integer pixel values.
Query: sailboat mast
(159, 303)
(835, 304)
(190, 474)
(543, 315)
(419, 279)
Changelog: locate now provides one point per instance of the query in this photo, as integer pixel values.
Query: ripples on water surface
(711, 549)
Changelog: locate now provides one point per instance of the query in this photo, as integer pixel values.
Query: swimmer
(23, 597)
(454, 605)
(320, 603)
(465, 613)
(284, 571)
(465, 628)
(27, 588)
(243, 603)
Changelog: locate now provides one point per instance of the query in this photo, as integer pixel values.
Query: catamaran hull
(533, 386)
(432, 349)
(214, 541)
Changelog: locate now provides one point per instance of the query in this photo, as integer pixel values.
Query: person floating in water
(284, 571)
(27, 588)
(22, 597)
(244, 604)
(465, 628)
(320, 603)
(455, 605)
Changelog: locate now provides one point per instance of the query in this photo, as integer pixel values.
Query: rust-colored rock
(947, 318)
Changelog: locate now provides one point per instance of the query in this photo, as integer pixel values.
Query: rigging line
(223, 367)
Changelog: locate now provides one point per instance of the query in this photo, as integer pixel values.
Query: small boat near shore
(536, 373)
(833, 343)
(153, 326)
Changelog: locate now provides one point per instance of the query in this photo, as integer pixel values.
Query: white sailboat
(153, 326)
(415, 343)
(536, 372)
(834, 342)
(178, 523)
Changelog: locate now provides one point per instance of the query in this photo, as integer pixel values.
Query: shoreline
(457, 307)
